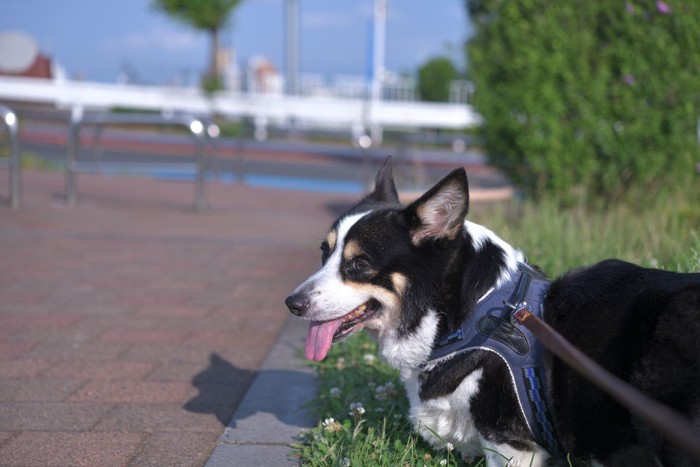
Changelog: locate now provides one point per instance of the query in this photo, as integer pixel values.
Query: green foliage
(665, 233)
(362, 407)
(211, 83)
(589, 96)
(434, 78)
(205, 15)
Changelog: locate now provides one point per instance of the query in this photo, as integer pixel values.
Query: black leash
(668, 422)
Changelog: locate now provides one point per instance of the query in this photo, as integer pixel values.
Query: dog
(413, 275)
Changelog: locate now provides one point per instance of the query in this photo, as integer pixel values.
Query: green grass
(663, 233)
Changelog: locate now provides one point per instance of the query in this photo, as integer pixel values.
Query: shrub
(434, 78)
(586, 95)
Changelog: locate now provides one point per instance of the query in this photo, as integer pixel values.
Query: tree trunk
(215, 63)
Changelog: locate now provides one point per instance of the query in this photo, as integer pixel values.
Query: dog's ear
(440, 212)
(384, 188)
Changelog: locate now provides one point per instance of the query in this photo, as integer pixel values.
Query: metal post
(378, 48)
(198, 130)
(9, 118)
(292, 47)
(196, 127)
(72, 156)
(377, 68)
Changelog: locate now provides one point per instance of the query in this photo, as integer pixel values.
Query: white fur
(505, 454)
(330, 296)
(480, 234)
(446, 419)
(412, 350)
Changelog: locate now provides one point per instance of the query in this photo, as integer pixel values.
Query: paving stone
(23, 368)
(14, 349)
(37, 416)
(76, 350)
(250, 454)
(37, 390)
(136, 325)
(62, 449)
(133, 391)
(151, 336)
(175, 450)
(158, 418)
(5, 437)
(108, 371)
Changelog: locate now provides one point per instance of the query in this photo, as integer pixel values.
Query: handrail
(195, 126)
(9, 120)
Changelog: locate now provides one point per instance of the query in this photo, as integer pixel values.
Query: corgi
(435, 290)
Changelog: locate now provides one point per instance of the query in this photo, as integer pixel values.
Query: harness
(492, 328)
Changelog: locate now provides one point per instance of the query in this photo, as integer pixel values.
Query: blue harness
(491, 328)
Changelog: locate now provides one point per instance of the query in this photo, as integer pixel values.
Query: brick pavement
(131, 326)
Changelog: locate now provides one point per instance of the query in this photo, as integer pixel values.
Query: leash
(668, 422)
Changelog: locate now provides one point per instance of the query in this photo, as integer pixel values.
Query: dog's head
(381, 265)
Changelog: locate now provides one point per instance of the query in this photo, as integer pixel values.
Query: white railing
(263, 109)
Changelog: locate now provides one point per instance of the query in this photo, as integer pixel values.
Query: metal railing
(13, 162)
(196, 127)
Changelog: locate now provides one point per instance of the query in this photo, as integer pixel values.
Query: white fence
(357, 115)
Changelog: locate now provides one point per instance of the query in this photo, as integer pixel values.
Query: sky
(97, 39)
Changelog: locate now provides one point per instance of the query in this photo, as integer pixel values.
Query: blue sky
(97, 38)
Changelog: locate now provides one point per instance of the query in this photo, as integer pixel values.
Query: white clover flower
(443, 462)
(345, 462)
(450, 447)
(335, 392)
(385, 391)
(369, 358)
(356, 408)
(331, 426)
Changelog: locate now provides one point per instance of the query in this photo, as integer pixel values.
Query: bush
(434, 78)
(586, 96)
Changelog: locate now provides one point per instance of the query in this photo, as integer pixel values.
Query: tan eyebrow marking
(331, 239)
(351, 249)
(399, 281)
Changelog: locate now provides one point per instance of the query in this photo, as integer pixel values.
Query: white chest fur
(446, 419)
(449, 419)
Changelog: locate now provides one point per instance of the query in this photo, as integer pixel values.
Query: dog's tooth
(361, 308)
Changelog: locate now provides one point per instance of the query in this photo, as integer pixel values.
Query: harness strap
(491, 327)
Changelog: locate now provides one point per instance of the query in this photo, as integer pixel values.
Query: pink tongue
(320, 337)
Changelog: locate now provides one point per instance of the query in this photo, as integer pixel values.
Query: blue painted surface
(262, 180)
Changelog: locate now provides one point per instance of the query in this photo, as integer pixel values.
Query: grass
(362, 407)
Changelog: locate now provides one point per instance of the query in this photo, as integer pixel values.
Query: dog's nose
(297, 304)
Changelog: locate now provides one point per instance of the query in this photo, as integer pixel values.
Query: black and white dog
(436, 292)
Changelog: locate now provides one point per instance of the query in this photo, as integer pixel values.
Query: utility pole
(377, 77)
(292, 47)
(378, 48)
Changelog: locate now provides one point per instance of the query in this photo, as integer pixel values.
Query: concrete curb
(271, 414)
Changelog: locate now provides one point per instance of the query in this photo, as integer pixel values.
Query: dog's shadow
(223, 387)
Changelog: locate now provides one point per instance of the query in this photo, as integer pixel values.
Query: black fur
(640, 324)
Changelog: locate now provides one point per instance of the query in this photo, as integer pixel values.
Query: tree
(434, 78)
(205, 15)
(585, 96)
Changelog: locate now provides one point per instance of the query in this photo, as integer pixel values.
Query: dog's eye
(359, 264)
(325, 252)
